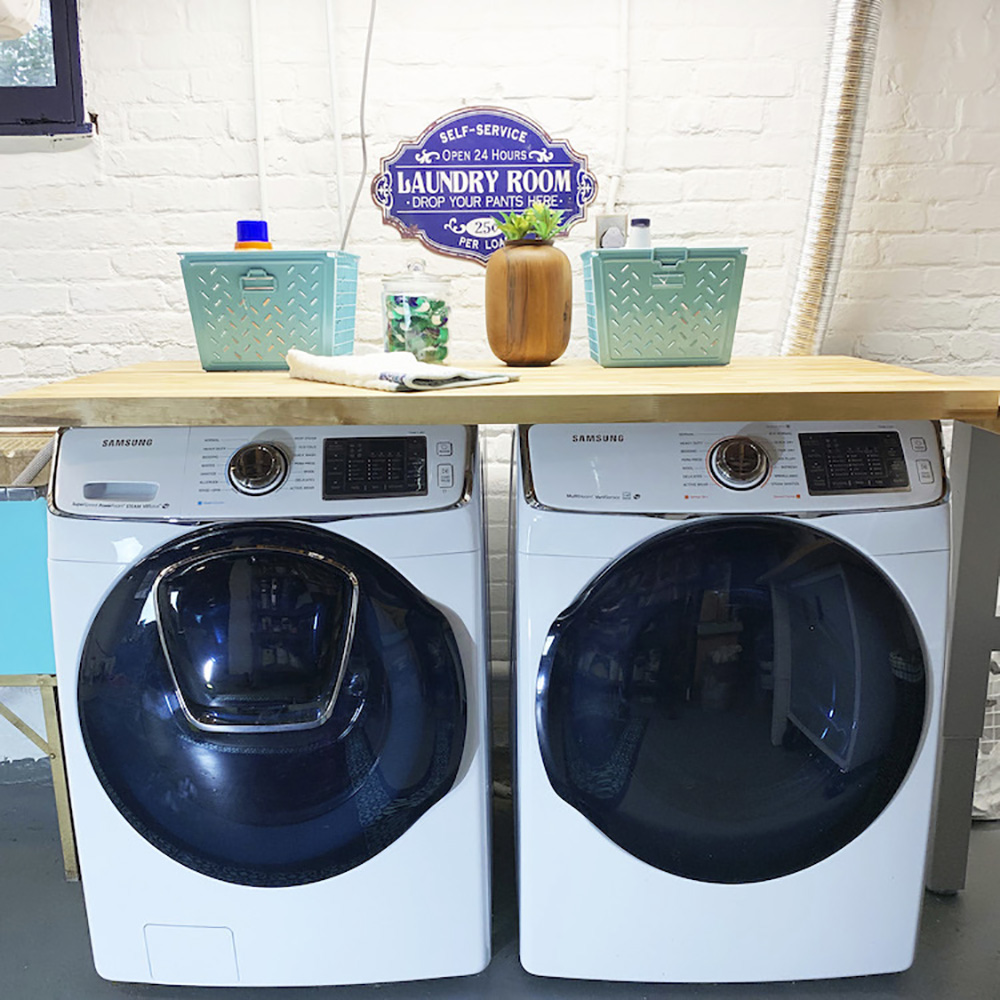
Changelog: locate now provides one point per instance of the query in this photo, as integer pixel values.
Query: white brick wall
(724, 100)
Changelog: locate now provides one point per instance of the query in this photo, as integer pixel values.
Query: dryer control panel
(774, 467)
(201, 473)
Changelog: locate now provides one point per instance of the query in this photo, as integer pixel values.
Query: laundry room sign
(448, 186)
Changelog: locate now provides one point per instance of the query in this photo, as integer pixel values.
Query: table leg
(51, 746)
(71, 864)
(974, 633)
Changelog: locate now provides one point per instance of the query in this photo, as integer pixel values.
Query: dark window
(733, 701)
(247, 781)
(41, 89)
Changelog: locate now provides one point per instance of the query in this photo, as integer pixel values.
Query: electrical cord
(258, 108)
(338, 156)
(361, 126)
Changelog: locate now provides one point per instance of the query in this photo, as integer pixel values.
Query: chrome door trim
(185, 564)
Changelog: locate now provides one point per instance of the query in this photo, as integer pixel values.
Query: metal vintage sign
(445, 187)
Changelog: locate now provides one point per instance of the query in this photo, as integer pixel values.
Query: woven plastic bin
(249, 308)
(663, 305)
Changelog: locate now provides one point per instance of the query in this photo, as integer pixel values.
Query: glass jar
(415, 313)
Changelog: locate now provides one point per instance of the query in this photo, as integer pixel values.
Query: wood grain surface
(529, 302)
(802, 388)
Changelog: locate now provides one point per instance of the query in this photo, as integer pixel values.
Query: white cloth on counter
(392, 371)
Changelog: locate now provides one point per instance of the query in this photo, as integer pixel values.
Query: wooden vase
(529, 301)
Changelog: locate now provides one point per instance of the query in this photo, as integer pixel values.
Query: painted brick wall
(722, 114)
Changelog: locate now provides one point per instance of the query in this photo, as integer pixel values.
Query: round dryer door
(734, 700)
(270, 704)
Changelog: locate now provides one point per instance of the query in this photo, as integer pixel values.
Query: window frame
(54, 110)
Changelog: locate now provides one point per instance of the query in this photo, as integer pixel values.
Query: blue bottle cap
(251, 231)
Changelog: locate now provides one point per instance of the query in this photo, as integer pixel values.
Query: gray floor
(44, 950)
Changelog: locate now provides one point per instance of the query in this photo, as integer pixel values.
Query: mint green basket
(249, 307)
(663, 305)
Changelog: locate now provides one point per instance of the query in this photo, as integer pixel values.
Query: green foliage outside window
(28, 61)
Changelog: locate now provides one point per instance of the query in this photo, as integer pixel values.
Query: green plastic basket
(248, 307)
(663, 305)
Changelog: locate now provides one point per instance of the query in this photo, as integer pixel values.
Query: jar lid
(415, 278)
(640, 222)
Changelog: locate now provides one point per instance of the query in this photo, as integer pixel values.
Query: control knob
(738, 463)
(258, 468)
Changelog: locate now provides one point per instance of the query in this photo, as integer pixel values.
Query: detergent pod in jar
(415, 308)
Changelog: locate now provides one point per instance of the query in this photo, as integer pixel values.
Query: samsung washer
(271, 658)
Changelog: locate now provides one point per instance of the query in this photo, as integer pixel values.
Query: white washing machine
(729, 656)
(271, 658)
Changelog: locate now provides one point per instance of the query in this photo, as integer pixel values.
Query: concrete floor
(44, 949)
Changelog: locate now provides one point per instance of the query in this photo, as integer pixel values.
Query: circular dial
(738, 463)
(258, 468)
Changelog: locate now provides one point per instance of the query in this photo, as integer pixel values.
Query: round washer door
(734, 700)
(270, 704)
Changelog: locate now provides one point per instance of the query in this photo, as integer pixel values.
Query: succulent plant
(540, 221)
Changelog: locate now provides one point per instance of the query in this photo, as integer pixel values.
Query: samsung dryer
(728, 681)
(271, 658)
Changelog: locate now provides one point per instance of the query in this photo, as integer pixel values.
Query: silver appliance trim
(352, 617)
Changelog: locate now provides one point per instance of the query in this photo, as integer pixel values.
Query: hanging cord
(361, 126)
(621, 71)
(338, 155)
(258, 107)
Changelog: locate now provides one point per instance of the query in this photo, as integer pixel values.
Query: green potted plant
(529, 289)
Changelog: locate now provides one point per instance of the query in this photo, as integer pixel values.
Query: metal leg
(974, 633)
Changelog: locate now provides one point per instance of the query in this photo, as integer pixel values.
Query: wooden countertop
(800, 388)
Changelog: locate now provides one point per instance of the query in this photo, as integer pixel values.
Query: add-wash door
(733, 700)
(271, 705)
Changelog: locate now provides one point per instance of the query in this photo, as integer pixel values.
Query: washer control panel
(381, 467)
(734, 468)
(844, 462)
(200, 473)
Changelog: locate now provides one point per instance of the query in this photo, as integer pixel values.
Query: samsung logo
(598, 438)
(127, 443)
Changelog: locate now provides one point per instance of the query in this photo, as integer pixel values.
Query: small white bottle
(638, 234)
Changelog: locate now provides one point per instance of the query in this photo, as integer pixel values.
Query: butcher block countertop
(749, 388)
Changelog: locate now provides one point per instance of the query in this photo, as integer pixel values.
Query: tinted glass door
(733, 700)
(271, 704)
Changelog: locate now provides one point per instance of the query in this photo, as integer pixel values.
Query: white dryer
(729, 657)
(271, 657)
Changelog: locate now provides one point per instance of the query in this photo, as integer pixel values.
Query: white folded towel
(393, 371)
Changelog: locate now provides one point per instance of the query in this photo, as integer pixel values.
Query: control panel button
(845, 462)
(738, 463)
(918, 443)
(258, 468)
(446, 475)
(444, 449)
(374, 466)
(925, 471)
